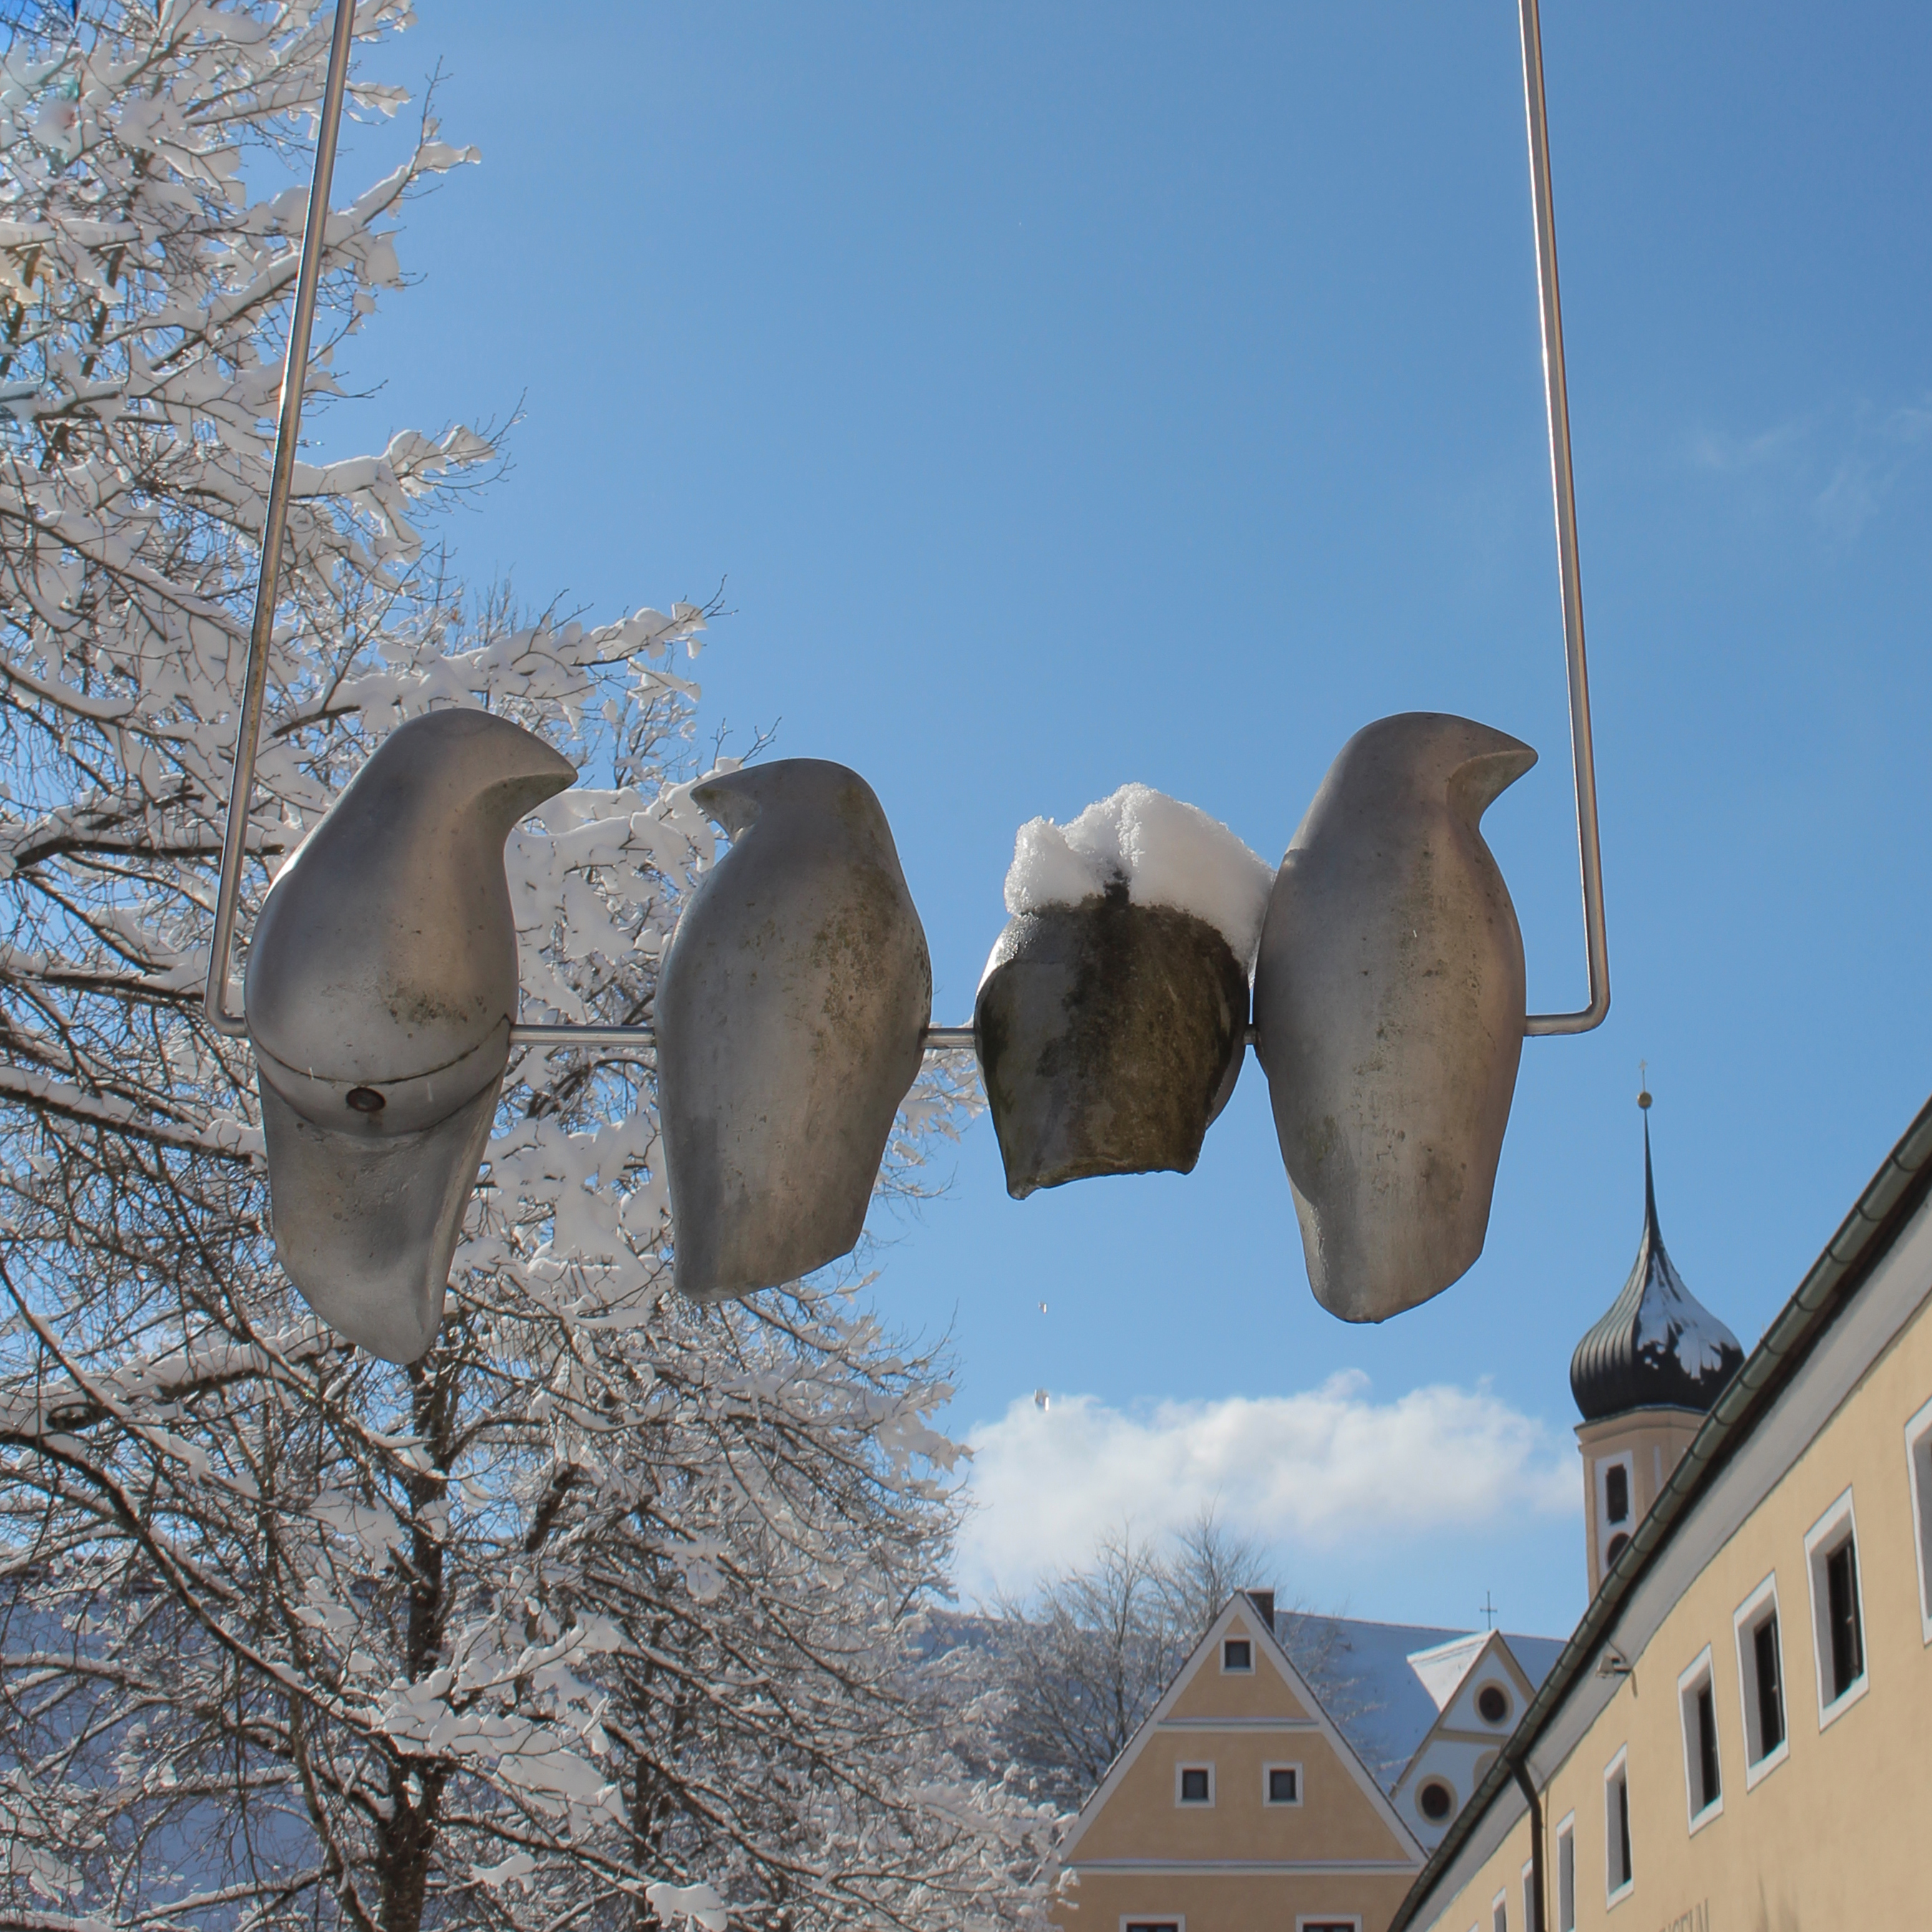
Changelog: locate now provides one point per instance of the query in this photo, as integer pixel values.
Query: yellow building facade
(1295, 1774)
(1238, 1804)
(1739, 1733)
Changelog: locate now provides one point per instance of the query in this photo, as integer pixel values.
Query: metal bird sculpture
(1389, 1007)
(380, 990)
(790, 1016)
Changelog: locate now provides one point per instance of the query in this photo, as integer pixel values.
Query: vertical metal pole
(1569, 569)
(288, 430)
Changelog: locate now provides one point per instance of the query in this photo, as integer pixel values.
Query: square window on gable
(1194, 1784)
(1238, 1655)
(1281, 1784)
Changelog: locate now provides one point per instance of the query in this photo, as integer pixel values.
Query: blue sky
(1073, 394)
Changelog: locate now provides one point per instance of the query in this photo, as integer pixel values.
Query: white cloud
(1329, 1467)
(1842, 462)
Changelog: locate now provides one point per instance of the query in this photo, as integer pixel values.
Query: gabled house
(1244, 1801)
(1239, 1803)
(1480, 1690)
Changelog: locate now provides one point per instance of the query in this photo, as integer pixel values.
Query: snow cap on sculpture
(381, 987)
(1110, 1019)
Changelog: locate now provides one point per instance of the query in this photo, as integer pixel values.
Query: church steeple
(1657, 1346)
(1645, 1377)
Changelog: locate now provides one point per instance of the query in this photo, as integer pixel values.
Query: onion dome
(1658, 1347)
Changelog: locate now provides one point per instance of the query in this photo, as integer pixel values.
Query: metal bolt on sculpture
(381, 993)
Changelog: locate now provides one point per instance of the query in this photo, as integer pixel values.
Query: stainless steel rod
(288, 431)
(937, 1039)
(1570, 573)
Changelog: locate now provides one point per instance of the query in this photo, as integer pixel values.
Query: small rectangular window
(1194, 1784)
(1499, 1913)
(1529, 1897)
(1281, 1784)
(1770, 1691)
(1237, 1654)
(1619, 1871)
(1918, 1456)
(1848, 1649)
(1837, 1619)
(1697, 1706)
(1566, 1875)
(1153, 1925)
(1616, 1494)
(1707, 1747)
(1761, 1681)
(1614, 1486)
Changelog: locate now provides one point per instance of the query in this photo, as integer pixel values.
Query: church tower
(1645, 1377)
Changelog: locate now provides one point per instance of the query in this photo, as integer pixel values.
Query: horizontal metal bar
(562, 1035)
(938, 1039)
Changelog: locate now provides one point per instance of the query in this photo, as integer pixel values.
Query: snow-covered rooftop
(1384, 1684)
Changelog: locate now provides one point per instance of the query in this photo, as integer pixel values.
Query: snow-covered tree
(1078, 1662)
(602, 1613)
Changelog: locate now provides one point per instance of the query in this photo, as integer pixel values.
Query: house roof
(1385, 1684)
(1893, 1196)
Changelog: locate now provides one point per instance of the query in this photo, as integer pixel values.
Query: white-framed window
(1494, 1704)
(1141, 1922)
(1619, 1869)
(1281, 1784)
(1566, 1873)
(1761, 1681)
(1499, 1913)
(1529, 1897)
(1697, 1711)
(1238, 1656)
(1616, 1505)
(1918, 1456)
(1838, 1610)
(1194, 1785)
(1435, 1799)
(1326, 1921)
